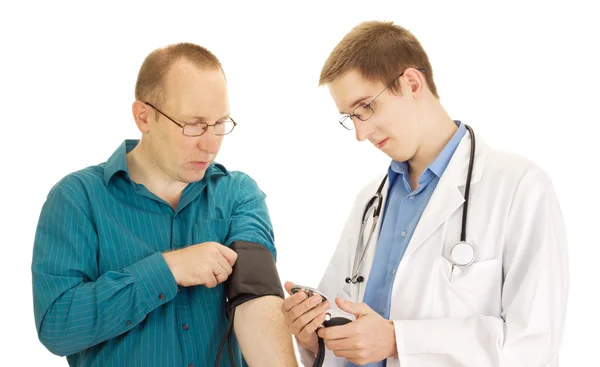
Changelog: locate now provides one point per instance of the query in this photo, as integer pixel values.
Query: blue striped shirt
(103, 293)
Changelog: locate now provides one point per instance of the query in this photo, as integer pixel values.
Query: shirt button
(393, 271)
(127, 322)
(185, 327)
(403, 234)
(412, 197)
(161, 296)
(178, 289)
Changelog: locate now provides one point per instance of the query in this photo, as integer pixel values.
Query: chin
(192, 176)
(399, 156)
(400, 153)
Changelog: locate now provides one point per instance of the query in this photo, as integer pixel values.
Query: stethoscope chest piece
(462, 254)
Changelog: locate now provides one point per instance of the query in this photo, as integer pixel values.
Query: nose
(209, 142)
(363, 130)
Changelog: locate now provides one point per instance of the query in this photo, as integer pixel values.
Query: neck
(144, 170)
(436, 130)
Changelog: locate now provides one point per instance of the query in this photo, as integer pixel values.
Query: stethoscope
(462, 254)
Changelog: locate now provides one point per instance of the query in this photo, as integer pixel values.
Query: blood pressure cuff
(254, 275)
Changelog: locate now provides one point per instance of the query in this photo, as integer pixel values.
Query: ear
(142, 114)
(414, 82)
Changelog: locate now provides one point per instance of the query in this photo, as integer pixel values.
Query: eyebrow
(199, 119)
(361, 99)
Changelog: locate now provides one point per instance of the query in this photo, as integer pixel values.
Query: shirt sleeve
(74, 306)
(250, 220)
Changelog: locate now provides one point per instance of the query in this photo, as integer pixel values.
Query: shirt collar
(118, 161)
(438, 166)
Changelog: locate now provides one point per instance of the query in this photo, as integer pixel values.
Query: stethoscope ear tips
(359, 279)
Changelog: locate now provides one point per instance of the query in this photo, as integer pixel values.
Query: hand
(206, 263)
(370, 338)
(303, 316)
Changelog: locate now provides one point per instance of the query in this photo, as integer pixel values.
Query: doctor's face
(386, 120)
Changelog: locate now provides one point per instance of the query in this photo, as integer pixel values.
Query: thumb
(357, 309)
(288, 287)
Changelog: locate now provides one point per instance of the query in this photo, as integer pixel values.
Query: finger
(311, 327)
(305, 306)
(307, 317)
(342, 344)
(288, 287)
(221, 277)
(357, 309)
(338, 332)
(210, 281)
(223, 266)
(228, 253)
(293, 301)
(289, 304)
(221, 269)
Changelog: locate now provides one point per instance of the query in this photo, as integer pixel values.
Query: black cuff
(254, 275)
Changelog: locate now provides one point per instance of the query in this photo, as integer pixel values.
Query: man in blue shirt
(130, 255)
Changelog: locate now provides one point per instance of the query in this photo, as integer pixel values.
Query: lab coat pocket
(467, 291)
(210, 230)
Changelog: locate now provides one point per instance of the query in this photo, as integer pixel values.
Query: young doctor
(462, 257)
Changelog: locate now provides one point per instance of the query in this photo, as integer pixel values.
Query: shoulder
(235, 183)
(515, 177)
(77, 186)
(509, 167)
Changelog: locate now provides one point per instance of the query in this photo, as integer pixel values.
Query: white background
(524, 75)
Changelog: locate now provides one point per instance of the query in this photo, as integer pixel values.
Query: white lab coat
(507, 309)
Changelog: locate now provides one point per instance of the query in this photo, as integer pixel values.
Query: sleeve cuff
(400, 346)
(154, 279)
(307, 358)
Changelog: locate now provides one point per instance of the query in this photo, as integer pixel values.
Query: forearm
(262, 335)
(89, 313)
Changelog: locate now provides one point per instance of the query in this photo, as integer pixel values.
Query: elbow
(53, 346)
(58, 343)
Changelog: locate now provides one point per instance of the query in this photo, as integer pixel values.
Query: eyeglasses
(199, 128)
(364, 112)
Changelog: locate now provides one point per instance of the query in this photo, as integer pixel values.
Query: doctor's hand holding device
(454, 257)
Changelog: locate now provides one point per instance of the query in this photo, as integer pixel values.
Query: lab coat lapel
(448, 197)
(370, 255)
